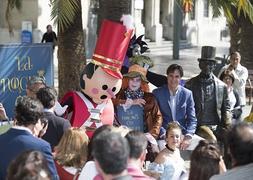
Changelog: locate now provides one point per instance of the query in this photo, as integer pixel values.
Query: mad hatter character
(135, 106)
(100, 81)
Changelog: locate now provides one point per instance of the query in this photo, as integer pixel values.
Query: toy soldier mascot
(100, 80)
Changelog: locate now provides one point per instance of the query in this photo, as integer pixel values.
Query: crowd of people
(42, 144)
(139, 134)
(113, 154)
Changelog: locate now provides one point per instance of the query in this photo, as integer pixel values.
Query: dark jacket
(237, 110)
(56, 127)
(222, 100)
(153, 117)
(16, 141)
(49, 37)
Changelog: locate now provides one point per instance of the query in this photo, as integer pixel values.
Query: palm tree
(113, 10)
(240, 18)
(67, 14)
(246, 42)
(239, 14)
(235, 31)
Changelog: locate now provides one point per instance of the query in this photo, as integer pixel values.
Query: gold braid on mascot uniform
(100, 80)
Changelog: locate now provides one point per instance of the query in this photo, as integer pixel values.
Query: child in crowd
(71, 153)
(169, 164)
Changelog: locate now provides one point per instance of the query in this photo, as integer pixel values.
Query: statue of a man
(211, 98)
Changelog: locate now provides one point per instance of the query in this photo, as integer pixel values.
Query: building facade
(154, 18)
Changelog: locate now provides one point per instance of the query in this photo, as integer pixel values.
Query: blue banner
(18, 63)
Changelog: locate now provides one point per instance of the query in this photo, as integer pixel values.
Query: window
(206, 8)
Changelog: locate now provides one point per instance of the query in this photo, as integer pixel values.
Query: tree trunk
(112, 10)
(241, 38)
(71, 55)
(246, 43)
(235, 31)
(235, 37)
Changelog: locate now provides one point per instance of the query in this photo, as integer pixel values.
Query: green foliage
(63, 12)
(246, 7)
(225, 6)
(220, 6)
(141, 60)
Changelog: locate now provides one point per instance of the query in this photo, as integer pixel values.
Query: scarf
(130, 94)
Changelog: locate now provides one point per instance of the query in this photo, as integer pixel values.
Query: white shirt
(232, 99)
(89, 171)
(173, 104)
(241, 76)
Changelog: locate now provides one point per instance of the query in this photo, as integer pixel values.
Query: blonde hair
(171, 126)
(72, 150)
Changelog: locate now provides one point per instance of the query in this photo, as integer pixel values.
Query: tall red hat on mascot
(101, 79)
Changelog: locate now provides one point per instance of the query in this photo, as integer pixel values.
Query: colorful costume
(100, 80)
(81, 115)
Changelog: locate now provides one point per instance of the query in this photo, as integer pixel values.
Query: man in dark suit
(56, 125)
(22, 136)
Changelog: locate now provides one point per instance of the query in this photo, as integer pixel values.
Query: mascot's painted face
(101, 86)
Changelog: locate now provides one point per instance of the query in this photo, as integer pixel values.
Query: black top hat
(207, 53)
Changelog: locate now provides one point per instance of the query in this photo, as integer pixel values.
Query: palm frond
(228, 14)
(225, 6)
(242, 5)
(216, 8)
(247, 9)
(63, 12)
